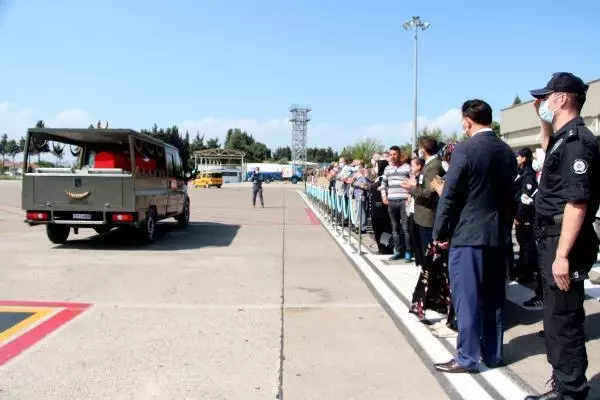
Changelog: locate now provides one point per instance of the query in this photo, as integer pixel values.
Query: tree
(171, 136)
(3, 144)
(321, 155)
(255, 151)
(12, 149)
(213, 143)
(517, 100)
(440, 136)
(198, 143)
(362, 149)
(282, 154)
(496, 128)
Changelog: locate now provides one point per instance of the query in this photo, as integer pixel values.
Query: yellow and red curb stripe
(46, 318)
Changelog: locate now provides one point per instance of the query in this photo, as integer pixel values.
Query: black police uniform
(570, 174)
(525, 214)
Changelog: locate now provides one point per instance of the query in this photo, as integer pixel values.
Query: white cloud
(274, 132)
(15, 119)
(277, 132)
(71, 118)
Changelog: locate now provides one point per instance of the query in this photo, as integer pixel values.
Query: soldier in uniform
(566, 203)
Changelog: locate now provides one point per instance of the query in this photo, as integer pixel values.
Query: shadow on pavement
(522, 347)
(168, 237)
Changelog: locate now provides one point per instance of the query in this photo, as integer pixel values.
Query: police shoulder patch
(529, 186)
(580, 166)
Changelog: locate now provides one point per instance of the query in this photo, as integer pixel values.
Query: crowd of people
(451, 209)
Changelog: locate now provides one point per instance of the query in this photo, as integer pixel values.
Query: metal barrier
(337, 210)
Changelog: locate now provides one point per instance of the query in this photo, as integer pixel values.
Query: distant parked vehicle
(209, 179)
(122, 178)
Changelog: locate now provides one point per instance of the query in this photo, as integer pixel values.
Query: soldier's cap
(525, 152)
(563, 82)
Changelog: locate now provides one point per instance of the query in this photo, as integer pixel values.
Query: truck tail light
(37, 216)
(123, 217)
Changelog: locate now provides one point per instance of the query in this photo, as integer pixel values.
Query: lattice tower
(299, 118)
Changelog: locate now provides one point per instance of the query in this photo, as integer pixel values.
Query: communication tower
(299, 118)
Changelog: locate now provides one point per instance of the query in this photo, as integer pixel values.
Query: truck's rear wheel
(58, 234)
(147, 229)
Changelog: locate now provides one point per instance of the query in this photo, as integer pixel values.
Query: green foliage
(517, 100)
(255, 151)
(12, 149)
(496, 128)
(198, 143)
(213, 143)
(3, 152)
(172, 136)
(321, 155)
(362, 150)
(282, 155)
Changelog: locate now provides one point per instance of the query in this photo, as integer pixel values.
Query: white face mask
(536, 165)
(421, 154)
(445, 165)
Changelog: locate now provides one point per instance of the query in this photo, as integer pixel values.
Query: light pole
(415, 24)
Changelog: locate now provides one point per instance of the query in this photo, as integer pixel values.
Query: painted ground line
(495, 377)
(401, 279)
(464, 384)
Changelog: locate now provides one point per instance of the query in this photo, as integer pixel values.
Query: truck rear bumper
(83, 218)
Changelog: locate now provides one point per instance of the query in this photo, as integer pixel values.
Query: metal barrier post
(349, 207)
(360, 215)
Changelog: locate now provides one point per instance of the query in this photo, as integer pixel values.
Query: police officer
(526, 185)
(566, 203)
(257, 181)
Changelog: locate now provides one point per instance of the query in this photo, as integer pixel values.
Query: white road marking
(464, 384)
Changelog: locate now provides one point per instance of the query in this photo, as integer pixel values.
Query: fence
(338, 210)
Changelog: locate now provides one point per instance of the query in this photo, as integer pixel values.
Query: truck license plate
(82, 216)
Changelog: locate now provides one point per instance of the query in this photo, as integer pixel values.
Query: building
(519, 124)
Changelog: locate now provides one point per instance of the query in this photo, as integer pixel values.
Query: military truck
(119, 178)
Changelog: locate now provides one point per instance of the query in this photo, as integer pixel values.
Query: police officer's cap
(564, 82)
(525, 152)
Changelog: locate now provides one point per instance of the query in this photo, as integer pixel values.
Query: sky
(211, 65)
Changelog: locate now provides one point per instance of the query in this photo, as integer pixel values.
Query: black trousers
(564, 318)
(400, 228)
(415, 239)
(257, 191)
(528, 259)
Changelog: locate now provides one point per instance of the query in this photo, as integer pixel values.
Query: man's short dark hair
(429, 144)
(478, 111)
(394, 148)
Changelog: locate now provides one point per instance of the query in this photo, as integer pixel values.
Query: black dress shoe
(551, 395)
(452, 367)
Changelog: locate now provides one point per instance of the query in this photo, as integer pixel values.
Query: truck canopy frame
(78, 137)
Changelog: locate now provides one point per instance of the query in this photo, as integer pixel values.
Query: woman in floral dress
(432, 291)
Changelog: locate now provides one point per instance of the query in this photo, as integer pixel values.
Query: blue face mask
(545, 114)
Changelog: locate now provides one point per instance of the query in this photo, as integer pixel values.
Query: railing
(338, 210)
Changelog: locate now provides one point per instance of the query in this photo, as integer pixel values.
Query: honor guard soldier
(566, 203)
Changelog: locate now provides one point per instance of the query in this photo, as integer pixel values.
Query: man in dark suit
(426, 199)
(473, 219)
